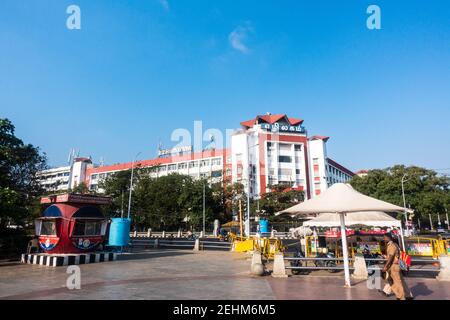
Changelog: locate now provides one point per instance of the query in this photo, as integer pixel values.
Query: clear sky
(139, 69)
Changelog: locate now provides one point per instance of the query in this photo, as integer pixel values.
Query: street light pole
(131, 184)
(446, 214)
(404, 203)
(204, 211)
(249, 171)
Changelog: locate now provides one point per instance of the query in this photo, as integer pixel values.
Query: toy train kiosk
(72, 223)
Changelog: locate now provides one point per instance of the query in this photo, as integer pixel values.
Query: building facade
(268, 150)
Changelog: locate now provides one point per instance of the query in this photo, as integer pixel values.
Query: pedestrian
(392, 268)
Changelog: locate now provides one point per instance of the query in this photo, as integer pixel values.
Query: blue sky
(138, 69)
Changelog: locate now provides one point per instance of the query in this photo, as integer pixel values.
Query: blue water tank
(119, 232)
(263, 226)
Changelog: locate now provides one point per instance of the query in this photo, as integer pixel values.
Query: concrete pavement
(181, 274)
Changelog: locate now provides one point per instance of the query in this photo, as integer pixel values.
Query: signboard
(337, 234)
(373, 247)
(420, 249)
(276, 127)
(75, 198)
(174, 151)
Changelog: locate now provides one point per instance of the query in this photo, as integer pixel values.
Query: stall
(358, 240)
(71, 223)
(341, 199)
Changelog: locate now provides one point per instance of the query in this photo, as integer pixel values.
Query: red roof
(160, 161)
(340, 167)
(271, 119)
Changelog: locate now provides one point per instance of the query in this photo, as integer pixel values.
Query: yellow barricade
(425, 247)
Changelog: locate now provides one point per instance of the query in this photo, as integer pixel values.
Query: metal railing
(182, 244)
(370, 267)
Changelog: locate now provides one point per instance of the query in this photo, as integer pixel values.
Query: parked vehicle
(317, 263)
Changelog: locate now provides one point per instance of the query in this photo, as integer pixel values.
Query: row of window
(172, 167)
(283, 146)
(53, 176)
(340, 174)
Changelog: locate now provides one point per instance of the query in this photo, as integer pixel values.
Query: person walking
(392, 267)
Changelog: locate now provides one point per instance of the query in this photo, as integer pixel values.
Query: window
(172, 167)
(193, 164)
(216, 174)
(298, 147)
(66, 174)
(216, 162)
(48, 228)
(94, 176)
(316, 161)
(285, 159)
(284, 172)
(101, 175)
(239, 157)
(162, 168)
(297, 171)
(87, 228)
(182, 165)
(285, 147)
(204, 163)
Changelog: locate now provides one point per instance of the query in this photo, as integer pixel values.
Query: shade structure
(364, 218)
(341, 199)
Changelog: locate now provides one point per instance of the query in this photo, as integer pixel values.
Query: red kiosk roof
(75, 198)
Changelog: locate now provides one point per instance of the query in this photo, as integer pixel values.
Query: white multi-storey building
(268, 150)
(63, 178)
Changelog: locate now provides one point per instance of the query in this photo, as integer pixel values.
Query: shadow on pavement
(420, 289)
(150, 254)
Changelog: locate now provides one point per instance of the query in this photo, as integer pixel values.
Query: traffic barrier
(197, 245)
(257, 267)
(360, 266)
(279, 268)
(444, 274)
(156, 245)
(149, 232)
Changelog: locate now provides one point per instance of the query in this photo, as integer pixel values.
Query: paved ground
(177, 274)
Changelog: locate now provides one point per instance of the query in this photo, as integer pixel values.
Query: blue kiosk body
(119, 232)
(263, 226)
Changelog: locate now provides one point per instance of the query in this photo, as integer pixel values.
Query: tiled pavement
(177, 274)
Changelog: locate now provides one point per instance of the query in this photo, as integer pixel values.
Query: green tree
(19, 184)
(280, 198)
(425, 191)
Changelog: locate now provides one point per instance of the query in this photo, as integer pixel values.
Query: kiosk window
(87, 228)
(48, 228)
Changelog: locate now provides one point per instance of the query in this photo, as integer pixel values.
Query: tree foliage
(167, 202)
(19, 185)
(425, 191)
(280, 198)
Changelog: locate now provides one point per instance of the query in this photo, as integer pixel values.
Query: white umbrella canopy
(365, 218)
(340, 199)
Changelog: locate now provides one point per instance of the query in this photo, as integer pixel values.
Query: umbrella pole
(403, 238)
(345, 251)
